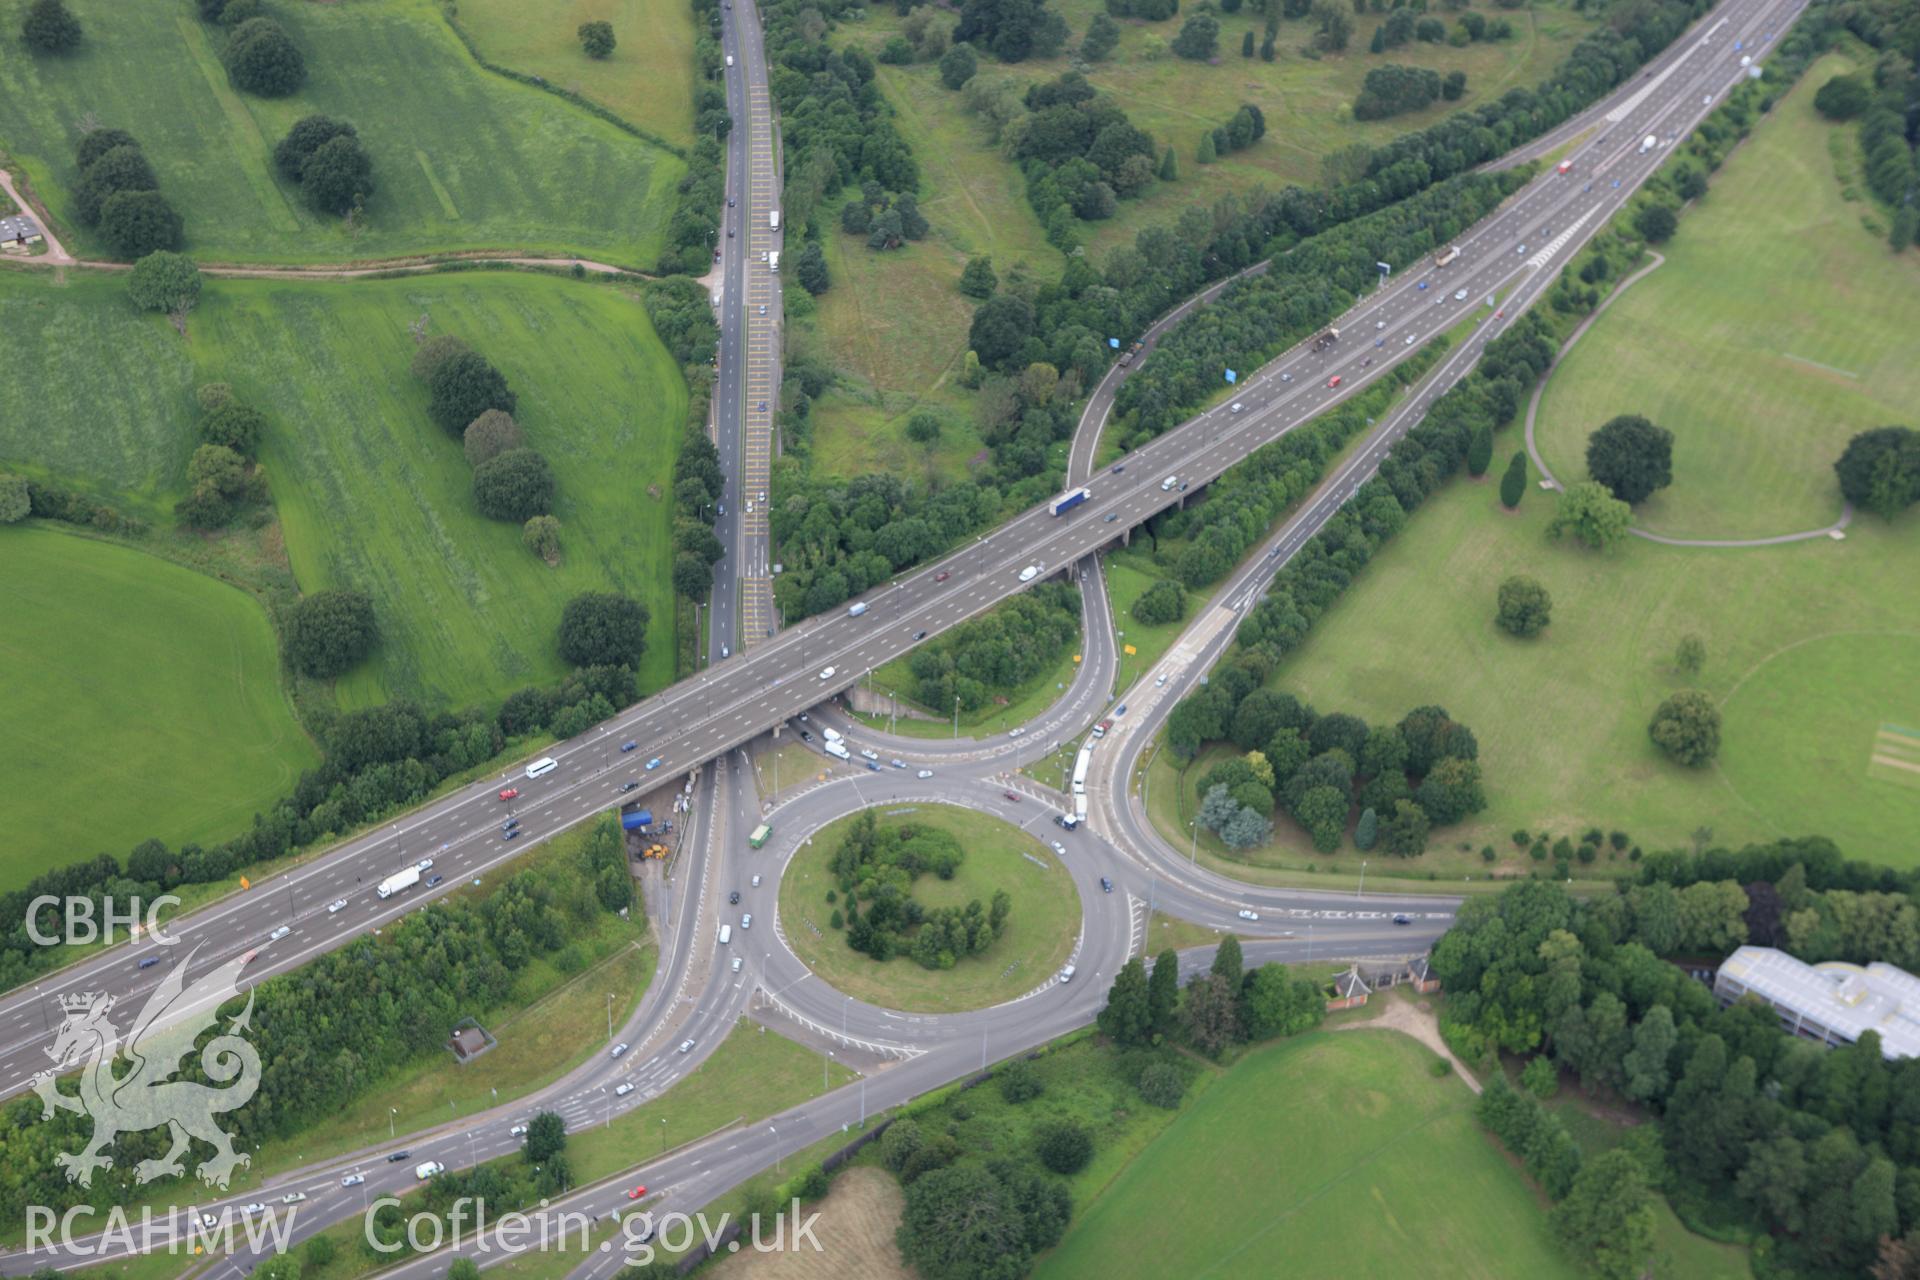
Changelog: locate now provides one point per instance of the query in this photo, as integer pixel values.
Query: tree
(1687, 727)
(137, 223)
(1690, 655)
(541, 535)
(1279, 1004)
(1479, 451)
(166, 282)
(1246, 44)
(516, 485)
(960, 1222)
(1607, 1218)
(261, 58)
(1208, 153)
(693, 576)
(1843, 97)
(1127, 1018)
(1513, 482)
(307, 136)
(1591, 514)
(977, 279)
(16, 498)
(1322, 810)
(121, 168)
(1000, 330)
(1366, 833)
(1163, 992)
(1525, 607)
(923, 428)
(1199, 37)
(1333, 26)
(596, 38)
(1655, 223)
(1645, 1065)
(462, 386)
(1064, 1147)
(234, 426)
(603, 629)
(1631, 456)
(50, 27)
(1103, 34)
(1880, 470)
(957, 66)
(1248, 829)
(434, 352)
(810, 268)
(1539, 1078)
(329, 632)
(1405, 832)
(1229, 963)
(338, 177)
(1211, 1013)
(546, 1136)
(490, 435)
(1165, 601)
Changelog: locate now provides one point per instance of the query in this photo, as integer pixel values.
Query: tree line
(877, 866)
(1227, 1005)
(118, 193)
(352, 1019)
(1016, 641)
(694, 228)
(1882, 100)
(1757, 1130)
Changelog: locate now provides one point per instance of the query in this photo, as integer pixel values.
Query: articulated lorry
(1446, 255)
(398, 881)
(1327, 339)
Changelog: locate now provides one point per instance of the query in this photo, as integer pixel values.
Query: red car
(941, 576)
(1334, 381)
(637, 1192)
(1012, 795)
(510, 793)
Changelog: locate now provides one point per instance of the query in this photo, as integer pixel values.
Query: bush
(137, 223)
(1525, 607)
(1655, 223)
(1162, 1084)
(1843, 97)
(261, 58)
(1513, 484)
(516, 485)
(541, 535)
(490, 435)
(116, 169)
(602, 629)
(1064, 1147)
(433, 353)
(97, 142)
(1165, 601)
(163, 281)
(338, 176)
(957, 66)
(596, 38)
(1199, 37)
(50, 27)
(329, 632)
(1019, 1082)
(1687, 727)
(307, 136)
(464, 385)
(236, 426)
(16, 499)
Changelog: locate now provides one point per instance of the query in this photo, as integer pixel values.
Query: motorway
(1513, 255)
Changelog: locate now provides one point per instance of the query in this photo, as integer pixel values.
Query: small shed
(469, 1040)
(16, 229)
(1421, 975)
(1350, 991)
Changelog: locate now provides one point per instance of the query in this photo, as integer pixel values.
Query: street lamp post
(1363, 880)
(391, 1113)
(663, 1135)
(956, 717)
(1193, 845)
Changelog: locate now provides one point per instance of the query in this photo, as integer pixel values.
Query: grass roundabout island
(1041, 916)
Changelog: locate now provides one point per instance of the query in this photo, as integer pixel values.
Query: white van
(830, 734)
(839, 751)
(1066, 974)
(1168, 483)
(726, 934)
(729, 59)
(857, 609)
(545, 764)
(427, 1170)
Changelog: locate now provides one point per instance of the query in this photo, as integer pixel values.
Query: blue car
(653, 764)
(149, 962)
(627, 746)
(1423, 284)
(511, 835)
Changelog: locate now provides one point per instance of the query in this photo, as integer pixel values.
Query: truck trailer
(1068, 500)
(1327, 339)
(1446, 255)
(398, 881)
(636, 820)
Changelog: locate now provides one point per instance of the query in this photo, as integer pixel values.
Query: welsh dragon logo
(144, 1097)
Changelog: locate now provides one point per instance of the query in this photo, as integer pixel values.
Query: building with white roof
(1833, 1003)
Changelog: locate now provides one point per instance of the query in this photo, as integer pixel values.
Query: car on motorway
(1334, 381)
(637, 1192)
(733, 899)
(919, 635)
(924, 773)
(510, 793)
(395, 1157)
(826, 673)
(513, 834)
(1249, 915)
(151, 961)
(736, 964)
(1521, 250)
(1286, 377)
(1379, 342)
(1106, 885)
(434, 880)
(1119, 711)
(756, 882)
(1160, 681)
(1403, 919)
(686, 1046)
(353, 1180)
(868, 753)
(280, 933)
(1238, 407)
(1459, 295)
(627, 746)
(293, 1197)
(1501, 314)
(873, 765)
(1379, 324)
(252, 1207)
(806, 735)
(746, 920)
(1111, 517)
(1058, 847)
(518, 1131)
(897, 763)
(653, 764)
(1423, 284)
(426, 864)
(1029, 573)
(338, 904)
(618, 1049)
(624, 1088)
(1012, 795)
(506, 827)
(1060, 820)
(628, 785)
(209, 1221)
(941, 576)
(1014, 733)
(729, 202)
(1409, 341)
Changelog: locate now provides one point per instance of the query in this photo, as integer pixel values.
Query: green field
(1131, 572)
(369, 492)
(463, 158)
(649, 79)
(1038, 937)
(142, 699)
(1776, 330)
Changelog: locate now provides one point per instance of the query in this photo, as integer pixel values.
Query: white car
(252, 1207)
(518, 1131)
(1249, 915)
(293, 1197)
(338, 904)
(686, 1046)
(1160, 681)
(425, 864)
(1409, 341)
(826, 673)
(1286, 377)
(1029, 573)
(1379, 324)
(353, 1179)
(618, 1049)
(1460, 295)
(870, 754)
(280, 933)
(1059, 848)
(736, 964)
(623, 1090)
(756, 882)
(209, 1221)
(924, 773)
(1014, 733)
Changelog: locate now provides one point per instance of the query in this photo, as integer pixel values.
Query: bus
(760, 835)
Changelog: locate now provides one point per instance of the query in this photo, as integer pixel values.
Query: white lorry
(1648, 143)
(773, 261)
(397, 881)
(839, 751)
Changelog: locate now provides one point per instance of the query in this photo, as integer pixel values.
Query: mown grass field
(369, 492)
(1038, 936)
(141, 699)
(649, 79)
(1776, 331)
(463, 158)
